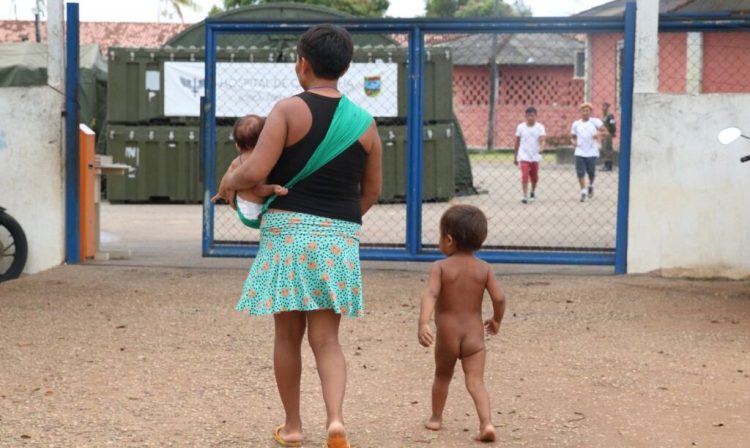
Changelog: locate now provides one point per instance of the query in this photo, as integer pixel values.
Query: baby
(245, 134)
(454, 292)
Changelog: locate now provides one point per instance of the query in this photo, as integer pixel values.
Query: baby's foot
(434, 423)
(486, 434)
(278, 190)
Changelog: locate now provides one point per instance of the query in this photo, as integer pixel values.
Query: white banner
(253, 88)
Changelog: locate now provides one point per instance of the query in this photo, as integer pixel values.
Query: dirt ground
(95, 356)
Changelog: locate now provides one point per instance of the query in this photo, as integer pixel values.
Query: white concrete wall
(31, 170)
(689, 195)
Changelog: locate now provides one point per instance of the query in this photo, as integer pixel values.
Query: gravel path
(95, 356)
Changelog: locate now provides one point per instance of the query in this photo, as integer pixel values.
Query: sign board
(253, 88)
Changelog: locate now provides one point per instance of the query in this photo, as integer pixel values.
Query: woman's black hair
(328, 49)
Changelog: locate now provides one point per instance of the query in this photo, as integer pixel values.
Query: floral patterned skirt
(304, 263)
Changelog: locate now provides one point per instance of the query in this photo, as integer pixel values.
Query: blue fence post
(208, 139)
(72, 205)
(626, 120)
(415, 131)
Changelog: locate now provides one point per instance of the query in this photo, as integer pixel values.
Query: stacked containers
(165, 151)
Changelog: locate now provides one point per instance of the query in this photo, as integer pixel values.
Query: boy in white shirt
(587, 134)
(529, 147)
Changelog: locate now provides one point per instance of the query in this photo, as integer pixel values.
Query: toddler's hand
(278, 190)
(491, 326)
(425, 335)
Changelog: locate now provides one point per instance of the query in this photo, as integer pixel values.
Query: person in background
(528, 152)
(608, 149)
(586, 135)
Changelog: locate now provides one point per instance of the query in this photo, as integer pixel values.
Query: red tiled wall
(726, 62)
(672, 60)
(604, 67)
(552, 90)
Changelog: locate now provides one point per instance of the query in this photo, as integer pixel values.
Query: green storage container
(438, 86)
(438, 177)
(166, 162)
(393, 139)
(135, 89)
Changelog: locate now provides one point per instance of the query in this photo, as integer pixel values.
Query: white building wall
(689, 194)
(689, 211)
(31, 170)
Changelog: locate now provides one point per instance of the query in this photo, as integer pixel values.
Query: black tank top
(333, 190)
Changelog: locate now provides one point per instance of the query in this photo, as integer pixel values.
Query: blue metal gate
(412, 246)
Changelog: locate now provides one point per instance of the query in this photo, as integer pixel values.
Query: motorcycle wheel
(13, 248)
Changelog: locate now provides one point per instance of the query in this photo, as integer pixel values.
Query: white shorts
(250, 210)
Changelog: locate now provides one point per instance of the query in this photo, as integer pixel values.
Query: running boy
(245, 134)
(530, 137)
(587, 134)
(454, 292)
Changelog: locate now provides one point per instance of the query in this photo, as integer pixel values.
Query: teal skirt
(304, 263)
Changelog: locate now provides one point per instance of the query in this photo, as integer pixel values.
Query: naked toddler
(455, 292)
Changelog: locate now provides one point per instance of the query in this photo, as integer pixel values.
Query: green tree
(476, 8)
(365, 8)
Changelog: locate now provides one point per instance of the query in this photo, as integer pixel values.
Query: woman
(307, 271)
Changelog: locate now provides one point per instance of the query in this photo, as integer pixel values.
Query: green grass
(505, 156)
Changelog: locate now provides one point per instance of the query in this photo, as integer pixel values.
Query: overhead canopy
(195, 35)
(24, 64)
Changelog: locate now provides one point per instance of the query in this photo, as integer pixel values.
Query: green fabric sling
(349, 123)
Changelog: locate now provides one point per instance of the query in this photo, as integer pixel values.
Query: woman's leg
(323, 335)
(287, 365)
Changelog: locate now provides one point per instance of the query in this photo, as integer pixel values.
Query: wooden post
(493, 93)
(86, 191)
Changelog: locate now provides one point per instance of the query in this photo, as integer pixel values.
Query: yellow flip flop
(280, 440)
(337, 441)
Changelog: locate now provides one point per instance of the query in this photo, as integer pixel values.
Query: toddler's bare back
(458, 310)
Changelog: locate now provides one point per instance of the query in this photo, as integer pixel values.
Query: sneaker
(532, 197)
(591, 191)
(583, 195)
(525, 200)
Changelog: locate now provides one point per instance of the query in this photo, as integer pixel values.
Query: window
(620, 55)
(580, 65)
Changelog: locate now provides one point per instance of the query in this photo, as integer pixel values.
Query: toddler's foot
(434, 424)
(486, 434)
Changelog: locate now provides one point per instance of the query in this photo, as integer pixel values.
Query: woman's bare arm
(372, 179)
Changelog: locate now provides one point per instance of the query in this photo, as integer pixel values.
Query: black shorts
(586, 165)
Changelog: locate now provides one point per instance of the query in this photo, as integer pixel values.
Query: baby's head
(246, 132)
(463, 228)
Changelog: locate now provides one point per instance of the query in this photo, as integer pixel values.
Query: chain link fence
(552, 73)
(704, 62)
(472, 109)
(250, 79)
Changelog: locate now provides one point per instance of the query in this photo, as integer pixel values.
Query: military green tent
(195, 35)
(24, 64)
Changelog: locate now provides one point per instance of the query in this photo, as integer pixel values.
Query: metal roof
(515, 49)
(617, 7)
(195, 35)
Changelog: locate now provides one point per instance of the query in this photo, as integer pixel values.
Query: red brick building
(709, 62)
(533, 70)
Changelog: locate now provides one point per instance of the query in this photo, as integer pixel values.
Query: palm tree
(177, 5)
